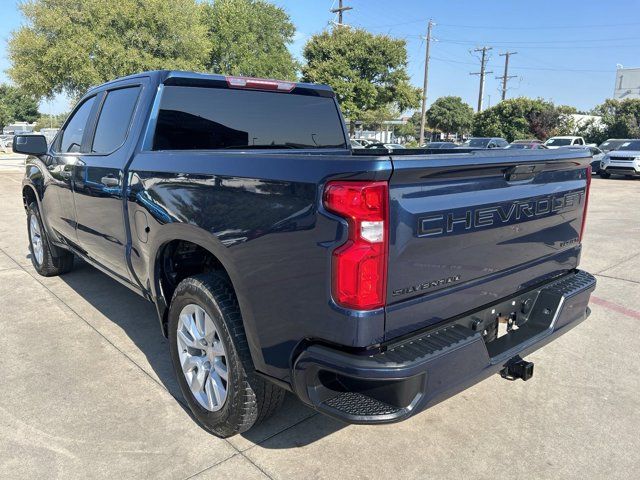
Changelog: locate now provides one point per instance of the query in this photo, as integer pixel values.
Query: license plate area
(511, 322)
(503, 318)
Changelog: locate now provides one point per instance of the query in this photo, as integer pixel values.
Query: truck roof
(198, 77)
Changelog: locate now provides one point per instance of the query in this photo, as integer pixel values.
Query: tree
(450, 115)
(16, 105)
(67, 45)
(368, 72)
(250, 37)
(546, 121)
(411, 129)
(592, 131)
(374, 119)
(50, 121)
(520, 118)
(5, 115)
(621, 118)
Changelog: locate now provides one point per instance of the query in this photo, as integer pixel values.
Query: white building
(580, 120)
(627, 83)
(18, 127)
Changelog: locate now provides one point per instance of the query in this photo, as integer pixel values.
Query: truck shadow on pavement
(138, 324)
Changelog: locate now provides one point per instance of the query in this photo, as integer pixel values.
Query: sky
(567, 50)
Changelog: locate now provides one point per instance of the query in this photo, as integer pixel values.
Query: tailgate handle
(521, 172)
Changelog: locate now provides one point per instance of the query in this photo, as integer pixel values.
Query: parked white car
(564, 141)
(623, 161)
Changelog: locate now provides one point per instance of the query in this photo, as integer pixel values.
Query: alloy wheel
(203, 357)
(35, 234)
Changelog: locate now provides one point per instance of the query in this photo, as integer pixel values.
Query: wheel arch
(216, 258)
(33, 189)
(33, 180)
(219, 256)
(29, 195)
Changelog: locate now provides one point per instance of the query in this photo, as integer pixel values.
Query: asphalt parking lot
(87, 390)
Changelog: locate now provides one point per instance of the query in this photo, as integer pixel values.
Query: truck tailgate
(470, 229)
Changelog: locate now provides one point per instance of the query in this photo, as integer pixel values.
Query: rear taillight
(260, 84)
(359, 277)
(586, 202)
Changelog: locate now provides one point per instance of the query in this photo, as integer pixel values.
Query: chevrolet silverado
(370, 283)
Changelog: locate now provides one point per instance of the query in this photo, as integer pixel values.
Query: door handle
(521, 172)
(110, 181)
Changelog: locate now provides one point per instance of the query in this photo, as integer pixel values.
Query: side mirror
(30, 144)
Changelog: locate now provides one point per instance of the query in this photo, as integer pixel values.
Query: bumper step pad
(433, 343)
(571, 285)
(359, 405)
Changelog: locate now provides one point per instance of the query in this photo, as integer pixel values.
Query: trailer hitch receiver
(517, 368)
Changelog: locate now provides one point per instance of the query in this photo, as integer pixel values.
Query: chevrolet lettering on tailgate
(461, 220)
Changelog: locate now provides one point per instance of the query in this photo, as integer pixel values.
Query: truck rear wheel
(211, 358)
(43, 258)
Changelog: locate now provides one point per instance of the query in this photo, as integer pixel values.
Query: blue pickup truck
(371, 284)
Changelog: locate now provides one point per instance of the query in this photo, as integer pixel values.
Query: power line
(527, 42)
(448, 60)
(555, 45)
(537, 47)
(541, 27)
(506, 77)
(537, 42)
(502, 27)
(482, 72)
(426, 82)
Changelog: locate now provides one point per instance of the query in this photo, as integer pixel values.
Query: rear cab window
(194, 117)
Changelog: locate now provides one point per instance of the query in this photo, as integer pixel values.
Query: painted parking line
(615, 307)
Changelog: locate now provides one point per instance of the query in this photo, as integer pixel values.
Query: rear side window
(72, 136)
(115, 118)
(221, 118)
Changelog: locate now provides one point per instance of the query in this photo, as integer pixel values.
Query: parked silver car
(485, 142)
(596, 153)
(623, 161)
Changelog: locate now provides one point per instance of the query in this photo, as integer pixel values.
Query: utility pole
(426, 83)
(506, 77)
(339, 11)
(482, 73)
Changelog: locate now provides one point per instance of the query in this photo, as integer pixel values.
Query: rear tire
(604, 174)
(44, 260)
(207, 342)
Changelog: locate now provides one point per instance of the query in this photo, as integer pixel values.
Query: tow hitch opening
(517, 368)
